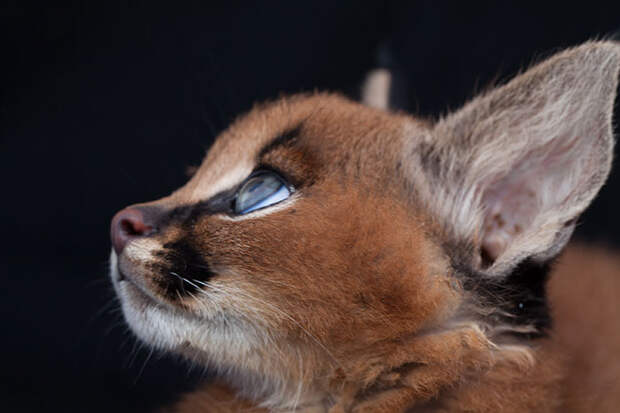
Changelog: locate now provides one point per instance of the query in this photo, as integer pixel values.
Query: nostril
(127, 228)
(134, 228)
(126, 225)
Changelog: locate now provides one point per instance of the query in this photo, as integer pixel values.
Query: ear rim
(444, 127)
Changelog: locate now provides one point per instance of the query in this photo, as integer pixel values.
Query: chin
(201, 337)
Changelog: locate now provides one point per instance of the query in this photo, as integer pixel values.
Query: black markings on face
(184, 269)
(286, 138)
(184, 266)
(188, 215)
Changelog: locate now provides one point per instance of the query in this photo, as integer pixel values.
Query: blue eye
(260, 191)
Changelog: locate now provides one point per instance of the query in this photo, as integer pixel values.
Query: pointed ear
(511, 171)
(376, 89)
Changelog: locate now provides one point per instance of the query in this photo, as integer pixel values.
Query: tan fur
(348, 296)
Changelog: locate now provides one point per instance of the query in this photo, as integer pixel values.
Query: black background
(105, 105)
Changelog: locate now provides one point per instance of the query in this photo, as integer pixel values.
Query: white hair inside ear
(376, 89)
(512, 170)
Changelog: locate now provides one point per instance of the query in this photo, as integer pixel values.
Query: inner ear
(540, 181)
(506, 216)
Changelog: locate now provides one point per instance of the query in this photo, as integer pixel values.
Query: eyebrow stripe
(283, 139)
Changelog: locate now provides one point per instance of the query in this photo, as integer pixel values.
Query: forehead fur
(341, 136)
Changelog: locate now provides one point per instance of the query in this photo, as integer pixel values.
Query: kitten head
(319, 234)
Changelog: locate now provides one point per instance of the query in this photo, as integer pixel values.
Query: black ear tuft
(517, 300)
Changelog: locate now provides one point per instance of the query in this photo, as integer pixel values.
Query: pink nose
(126, 225)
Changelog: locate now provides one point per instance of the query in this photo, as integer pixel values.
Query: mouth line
(136, 288)
(120, 276)
(143, 293)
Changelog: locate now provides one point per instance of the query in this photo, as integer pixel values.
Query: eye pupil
(260, 191)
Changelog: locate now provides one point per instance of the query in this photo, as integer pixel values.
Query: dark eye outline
(259, 172)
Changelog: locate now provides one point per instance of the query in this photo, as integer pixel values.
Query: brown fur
(583, 292)
(347, 296)
(586, 310)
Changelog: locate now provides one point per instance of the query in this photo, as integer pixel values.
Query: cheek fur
(320, 262)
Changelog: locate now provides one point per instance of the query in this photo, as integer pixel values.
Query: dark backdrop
(105, 105)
